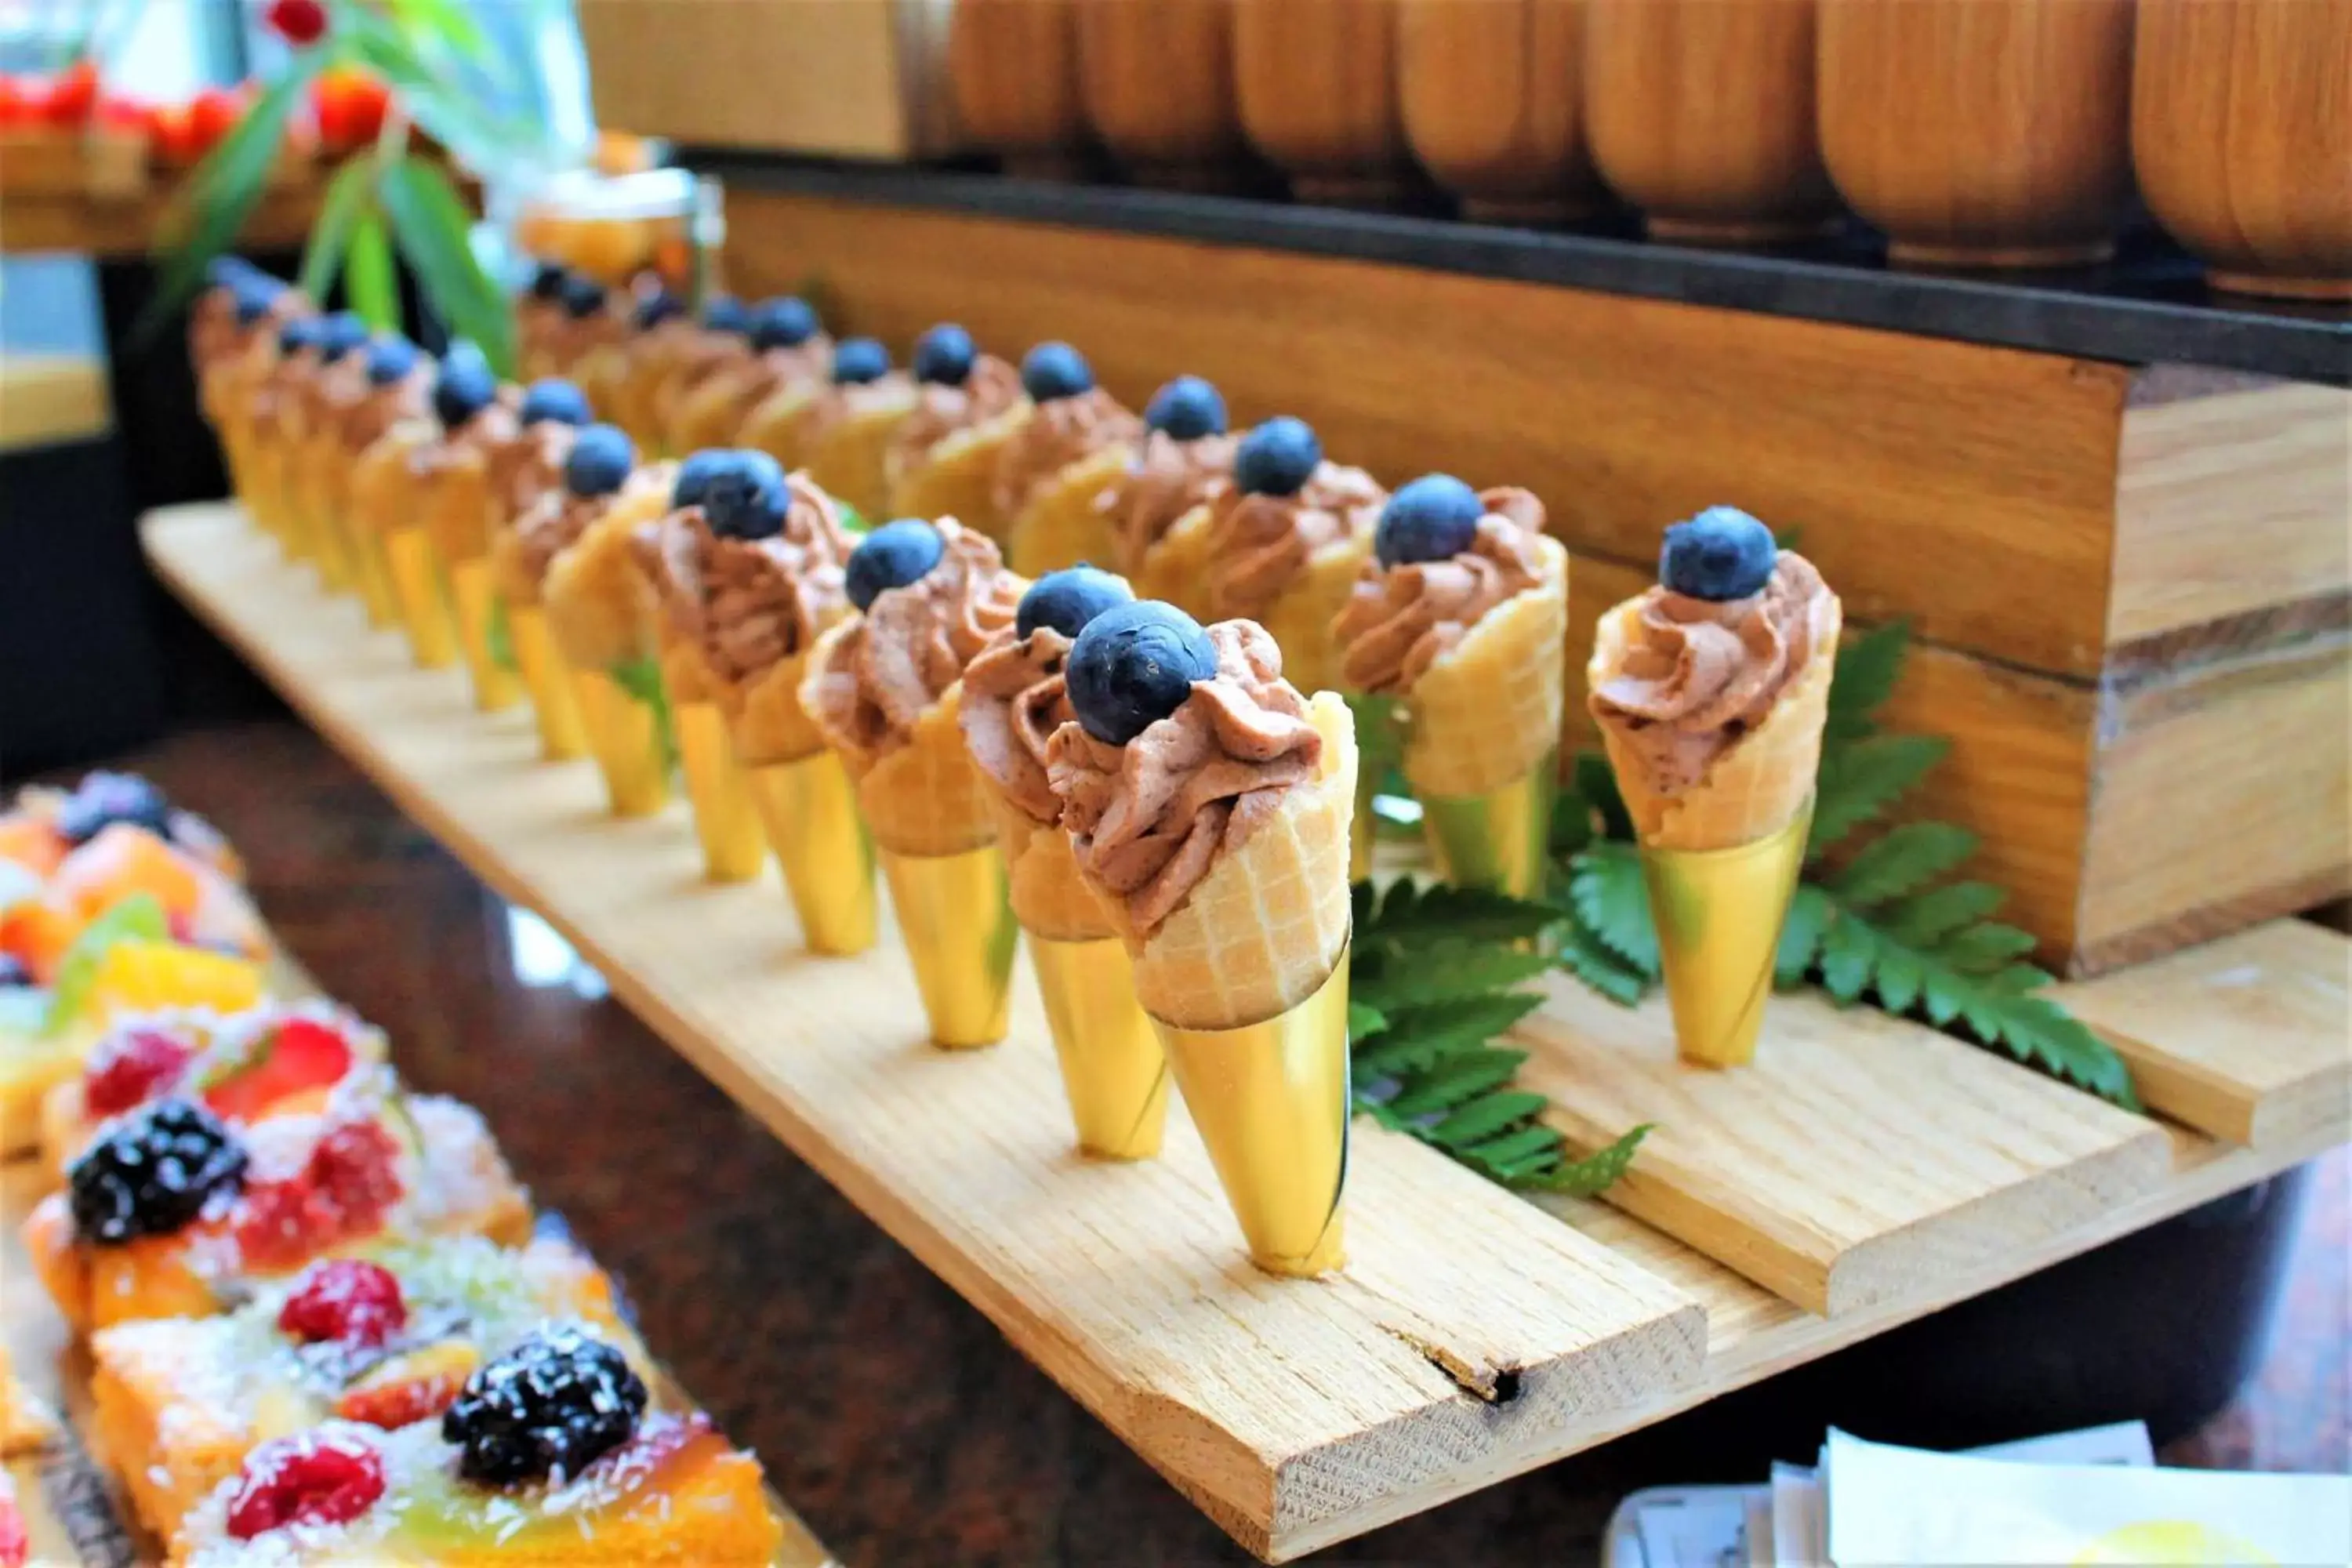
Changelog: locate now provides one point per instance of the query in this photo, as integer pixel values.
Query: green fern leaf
(1486, 1116)
(1523, 1150)
(1444, 912)
(1444, 970)
(1612, 902)
(1583, 955)
(1867, 665)
(1364, 1022)
(1421, 1038)
(1595, 1172)
(1458, 1080)
(1900, 861)
(1927, 919)
(1849, 950)
(1809, 914)
(1862, 780)
(1984, 947)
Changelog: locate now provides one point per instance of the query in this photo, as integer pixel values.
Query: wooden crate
(2133, 586)
(856, 79)
(1866, 1172)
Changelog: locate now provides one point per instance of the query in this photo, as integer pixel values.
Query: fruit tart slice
(173, 1212)
(279, 1058)
(549, 1457)
(383, 1341)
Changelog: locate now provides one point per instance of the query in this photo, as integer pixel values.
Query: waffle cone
(767, 719)
(773, 424)
(1267, 924)
(714, 409)
(598, 604)
(1050, 895)
(599, 377)
(1176, 568)
(846, 461)
(1062, 524)
(386, 493)
(1489, 709)
(924, 798)
(457, 509)
(1300, 619)
(956, 477)
(511, 569)
(1756, 786)
(686, 676)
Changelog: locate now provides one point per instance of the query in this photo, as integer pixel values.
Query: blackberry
(559, 1400)
(153, 1173)
(103, 799)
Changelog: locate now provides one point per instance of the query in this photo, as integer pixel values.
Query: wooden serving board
(1473, 1335)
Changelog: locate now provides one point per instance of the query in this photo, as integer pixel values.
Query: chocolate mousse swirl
(1258, 544)
(1060, 432)
(1700, 674)
(942, 410)
(363, 413)
(1167, 479)
(1148, 819)
(1401, 619)
(913, 643)
(1015, 697)
(551, 527)
(749, 604)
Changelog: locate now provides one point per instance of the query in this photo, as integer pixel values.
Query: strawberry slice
(298, 1056)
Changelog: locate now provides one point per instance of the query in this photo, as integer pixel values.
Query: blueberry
(464, 388)
(339, 335)
(582, 296)
(599, 462)
(744, 497)
(1186, 408)
(548, 281)
(1067, 601)
(255, 298)
(301, 332)
(892, 556)
(1056, 370)
(1433, 517)
(1133, 666)
(726, 313)
(693, 481)
(1721, 554)
(783, 324)
(944, 354)
(228, 271)
(1277, 458)
(103, 799)
(856, 361)
(390, 359)
(553, 398)
(655, 307)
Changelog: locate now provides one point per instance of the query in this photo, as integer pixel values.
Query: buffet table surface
(891, 1414)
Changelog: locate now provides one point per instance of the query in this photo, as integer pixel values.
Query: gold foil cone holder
(474, 596)
(1271, 1100)
(956, 913)
(423, 611)
(1113, 1068)
(1718, 914)
(725, 820)
(1500, 840)
(555, 706)
(624, 736)
(810, 810)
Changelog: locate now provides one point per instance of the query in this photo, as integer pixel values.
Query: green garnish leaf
(642, 680)
(500, 635)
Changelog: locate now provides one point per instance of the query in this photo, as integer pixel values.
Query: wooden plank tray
(1471, 1338)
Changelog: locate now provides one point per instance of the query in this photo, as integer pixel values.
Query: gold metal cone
(624, 735)
(724, 817)
(1271, 1100)
(1718, 914)
(1113, 1068)
(956, 913)
(409, 563)
(474, 596)
(326, 540)
(1500, 840)
(563, 733)
(363, 547)
(810, 809)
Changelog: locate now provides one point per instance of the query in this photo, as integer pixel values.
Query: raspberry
(128, 1068)
(346, 1300)
(318, 1477)
(344, 1190)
